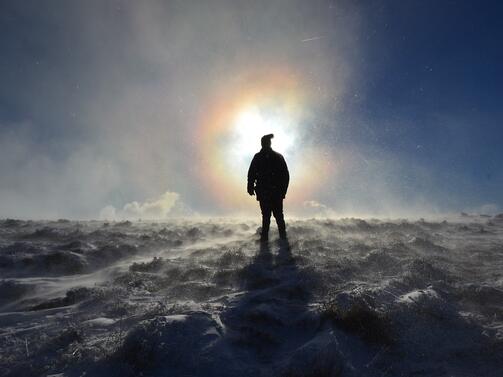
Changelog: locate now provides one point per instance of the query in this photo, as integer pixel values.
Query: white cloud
(314, 204)
(315, 208)
(486, 209)
(108, 212)
(165, 206)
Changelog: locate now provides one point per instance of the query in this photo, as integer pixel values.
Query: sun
(251, 123)
(232, 124)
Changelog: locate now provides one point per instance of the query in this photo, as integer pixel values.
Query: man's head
(266, 141)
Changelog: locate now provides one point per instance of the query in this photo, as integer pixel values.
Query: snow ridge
(346, 297)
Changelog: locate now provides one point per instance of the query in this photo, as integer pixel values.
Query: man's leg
(265, 207)
(277, 210)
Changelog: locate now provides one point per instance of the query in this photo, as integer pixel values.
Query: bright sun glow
(231, 128)
(251, 124)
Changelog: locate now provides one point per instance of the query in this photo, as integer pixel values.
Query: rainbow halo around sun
(230, 132)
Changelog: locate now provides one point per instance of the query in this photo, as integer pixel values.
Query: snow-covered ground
(343, 297)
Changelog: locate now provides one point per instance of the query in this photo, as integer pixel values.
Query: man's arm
(285, 176)
(252, 176)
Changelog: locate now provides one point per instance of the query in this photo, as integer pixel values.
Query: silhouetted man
(268, 177)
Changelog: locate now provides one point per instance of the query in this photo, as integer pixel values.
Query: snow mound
(169, 344)
(347, 297)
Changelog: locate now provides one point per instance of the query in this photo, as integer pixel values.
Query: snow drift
(349, 297)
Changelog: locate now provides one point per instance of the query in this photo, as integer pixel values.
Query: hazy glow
(231, 130)
(250, 125)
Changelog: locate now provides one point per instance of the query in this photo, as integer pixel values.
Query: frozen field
(341, 298)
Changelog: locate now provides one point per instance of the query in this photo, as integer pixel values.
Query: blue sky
(98, 99)
(430, 95)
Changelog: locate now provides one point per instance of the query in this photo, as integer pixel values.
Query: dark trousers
(276, 207)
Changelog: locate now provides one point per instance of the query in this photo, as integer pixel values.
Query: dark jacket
(268, 175)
